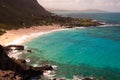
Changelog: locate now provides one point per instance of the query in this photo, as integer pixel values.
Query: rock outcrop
(9, 75)
(14, 47)
(18, 69)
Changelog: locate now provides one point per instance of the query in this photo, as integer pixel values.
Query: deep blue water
(87, 51)
(112, 18)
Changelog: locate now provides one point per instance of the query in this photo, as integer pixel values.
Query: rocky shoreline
(18, 69)
(12, 69)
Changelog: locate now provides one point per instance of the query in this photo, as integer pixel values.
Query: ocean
(92, 51)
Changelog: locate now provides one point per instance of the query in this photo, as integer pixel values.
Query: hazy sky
(107, 5)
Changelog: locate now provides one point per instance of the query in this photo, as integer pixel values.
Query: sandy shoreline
(26, 34)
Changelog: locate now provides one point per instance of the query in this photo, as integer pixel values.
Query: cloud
(108, 5)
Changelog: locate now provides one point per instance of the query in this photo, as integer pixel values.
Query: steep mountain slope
(21, 11)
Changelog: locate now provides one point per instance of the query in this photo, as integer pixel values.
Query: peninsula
(31, 13)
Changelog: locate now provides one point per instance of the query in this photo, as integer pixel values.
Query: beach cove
(91, 51)
(56, 40)
(66, 64)
(20, 36)
(87, 51)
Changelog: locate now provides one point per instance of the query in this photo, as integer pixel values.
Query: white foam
(14, 54)
(54, 67)
(107, 25)
(49, 74)
(79, 27)
(35, 65)
(25, 38)
(27, 60)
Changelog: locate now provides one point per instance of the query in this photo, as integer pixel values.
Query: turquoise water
(87, 51)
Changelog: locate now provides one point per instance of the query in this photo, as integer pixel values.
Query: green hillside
(15, 14)
(20, 13)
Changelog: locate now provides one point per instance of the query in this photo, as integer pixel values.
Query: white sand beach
(20, 36)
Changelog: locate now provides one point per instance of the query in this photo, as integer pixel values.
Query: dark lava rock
(87, 79)
(9, 75)
(11, 67)
(14, 47)
(46, 67)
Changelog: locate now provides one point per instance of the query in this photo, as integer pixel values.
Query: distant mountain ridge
(93, 10)
(83, 11)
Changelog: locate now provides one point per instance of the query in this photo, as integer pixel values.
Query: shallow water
(87, 51)
(84, 51)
